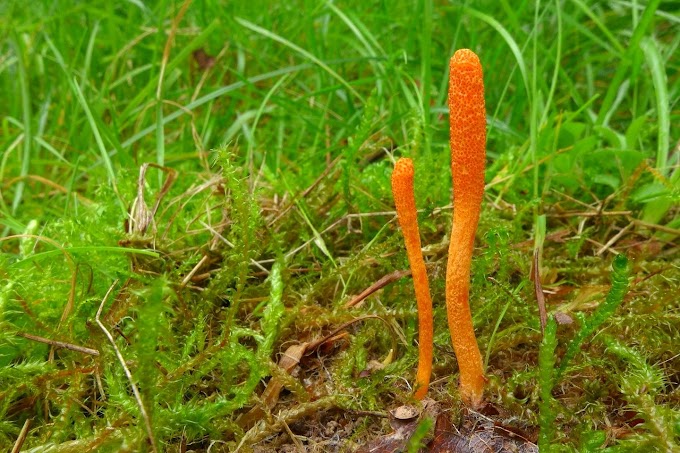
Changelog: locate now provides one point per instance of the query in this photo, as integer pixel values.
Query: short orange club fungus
(467, 118)
(405, 202)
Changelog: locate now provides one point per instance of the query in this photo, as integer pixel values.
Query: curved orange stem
(467, 117)
(404, 200)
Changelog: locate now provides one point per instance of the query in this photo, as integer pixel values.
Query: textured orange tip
(467, 118)
(405, 202)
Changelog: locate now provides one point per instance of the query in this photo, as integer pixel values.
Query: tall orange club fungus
(467, 118)
(404, 201)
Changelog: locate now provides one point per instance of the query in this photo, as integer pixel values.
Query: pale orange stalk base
(404, 200)
(467, 117)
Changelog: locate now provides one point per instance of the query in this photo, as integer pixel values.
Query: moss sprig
(618, 290)
(546, 382)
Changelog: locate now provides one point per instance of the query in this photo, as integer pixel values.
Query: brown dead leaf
(203, 60)
(289, 360)
(477, 435)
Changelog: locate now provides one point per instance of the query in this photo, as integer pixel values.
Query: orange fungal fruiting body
(404, 200)
(467, 118)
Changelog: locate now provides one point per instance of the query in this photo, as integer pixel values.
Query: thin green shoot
(26, 112)
(533, 112)
(546, 382)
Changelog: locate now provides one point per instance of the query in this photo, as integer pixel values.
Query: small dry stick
(59, 344)
(405, 202)
(22, 436)
(381, 283)
(615, 238)
(121, 359)
(467, 117)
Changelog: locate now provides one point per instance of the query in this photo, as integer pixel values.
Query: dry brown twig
(22, 436)
(59, 344)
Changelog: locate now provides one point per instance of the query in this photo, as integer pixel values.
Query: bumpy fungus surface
(467, 118)
(404, 200)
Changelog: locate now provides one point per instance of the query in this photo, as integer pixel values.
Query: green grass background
(272, 128)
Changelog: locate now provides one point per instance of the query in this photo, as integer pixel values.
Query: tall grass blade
(209, 97)
(509, 40)
(106, 159)
(26, 113)
(623, 66)
(273, 36)
(658, 73)
(655, 210)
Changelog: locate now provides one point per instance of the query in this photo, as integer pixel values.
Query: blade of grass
(623, 66)
(426, 70)
(655, 210)
(558, 60)
(90, 118)
(509, 40)
(160, 132)
(26, 114)
(598, 23)
(180, 58)
(533, 114)
(57, 155)
(88, 54)
(70, 187)
(658, 72)
(95, 131)
(360, 31)
(258, 115)
(11, 223)
(209, 97)
(273, 36)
